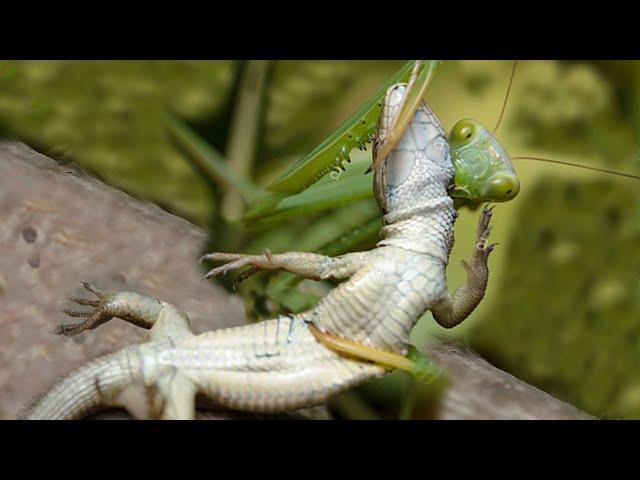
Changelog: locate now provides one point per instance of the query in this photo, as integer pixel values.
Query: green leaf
(324, 197)
(209, 160)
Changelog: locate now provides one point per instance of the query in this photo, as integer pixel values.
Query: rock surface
(60, 226)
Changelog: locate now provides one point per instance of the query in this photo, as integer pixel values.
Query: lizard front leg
(304, 264)
(450, 310)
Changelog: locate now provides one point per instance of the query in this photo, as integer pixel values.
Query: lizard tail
(86, 389)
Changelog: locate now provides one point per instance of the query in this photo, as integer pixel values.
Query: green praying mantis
(324, 180)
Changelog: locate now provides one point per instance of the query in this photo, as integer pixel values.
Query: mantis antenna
(577, 165)
(549, 160)
(506, 97)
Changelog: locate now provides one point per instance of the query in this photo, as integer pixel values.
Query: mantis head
(483, 169)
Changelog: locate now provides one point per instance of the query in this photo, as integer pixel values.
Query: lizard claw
(482, 248)
(93, 289)
(77, 313)
(85, 301)
(466, 266)
(237, 261)
(220, 257)
(94, 317)
(232, 258)
(244, 275)
(219, 270)
(483, 227)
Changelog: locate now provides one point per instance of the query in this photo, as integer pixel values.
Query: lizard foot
(98, 315)
(237, 261)
(482, 250)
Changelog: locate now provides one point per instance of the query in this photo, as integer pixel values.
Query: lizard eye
(438, 152)
(463, 132)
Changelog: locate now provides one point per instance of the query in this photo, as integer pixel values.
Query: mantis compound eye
(464, 132)
(503, 188)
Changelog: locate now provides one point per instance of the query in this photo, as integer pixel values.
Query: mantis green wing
(417, 87)
(326, 194)
(334, 151)
(208, 159)
(331, 153)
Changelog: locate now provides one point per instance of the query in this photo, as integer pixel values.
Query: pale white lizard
(279, 364)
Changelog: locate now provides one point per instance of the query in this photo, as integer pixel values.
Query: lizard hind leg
(164, 320)
(173, 397)
(172, 324)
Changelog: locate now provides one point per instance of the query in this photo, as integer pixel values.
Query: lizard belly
(271, 366)
(380, 304)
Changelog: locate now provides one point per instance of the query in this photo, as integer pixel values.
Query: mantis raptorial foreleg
(407, 108)
(414, 363)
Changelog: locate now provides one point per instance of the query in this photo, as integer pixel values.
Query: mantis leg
(304, 264)
(453, 309)
(415, 363)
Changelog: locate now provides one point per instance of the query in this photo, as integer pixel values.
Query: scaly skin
(279, 365)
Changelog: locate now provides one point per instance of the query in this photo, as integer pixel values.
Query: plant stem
(245, 125)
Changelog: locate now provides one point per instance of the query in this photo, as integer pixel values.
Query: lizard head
(483, 169)
(419, 167)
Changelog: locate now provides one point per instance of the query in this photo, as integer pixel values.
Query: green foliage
(566, 319)
(424, 369)
(572, 107)
(565, 315)
(108, 117)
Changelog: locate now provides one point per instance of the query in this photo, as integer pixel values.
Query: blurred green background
(563, 306)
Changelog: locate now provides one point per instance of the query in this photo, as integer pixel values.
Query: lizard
(293, 361)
